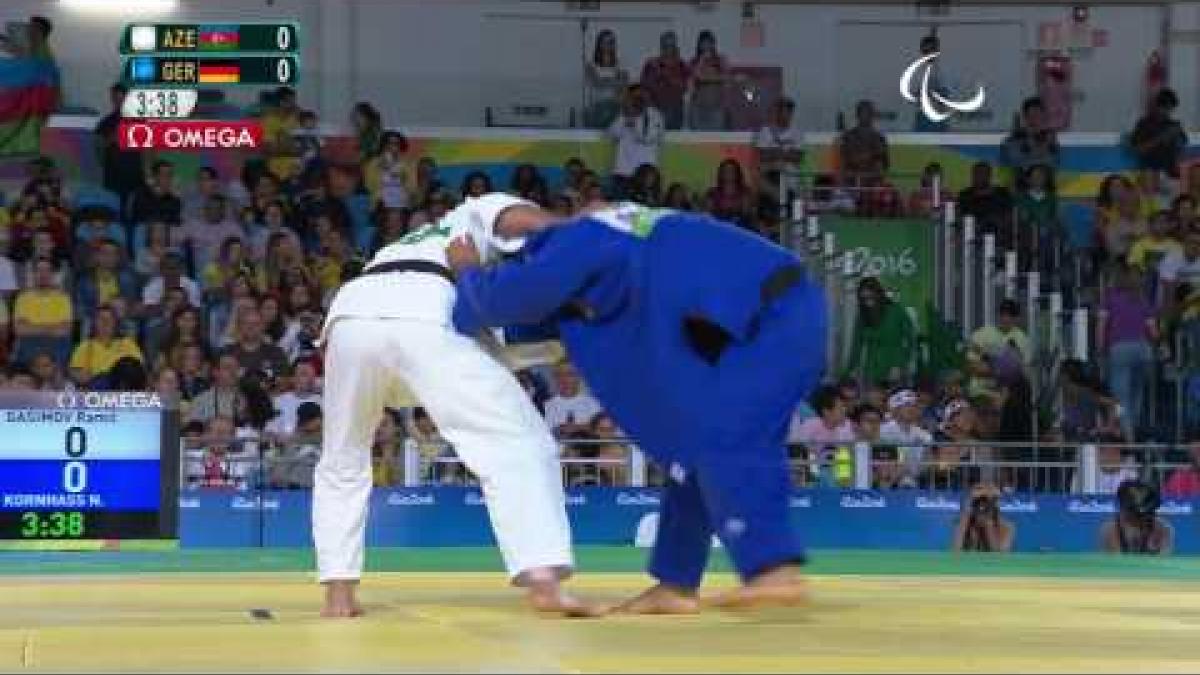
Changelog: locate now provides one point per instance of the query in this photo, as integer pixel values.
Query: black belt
(780, 281)
(426, 266)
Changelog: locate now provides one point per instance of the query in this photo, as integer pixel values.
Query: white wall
(422, 62)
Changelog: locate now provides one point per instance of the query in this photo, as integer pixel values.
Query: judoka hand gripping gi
(699, 339)
(389, 342)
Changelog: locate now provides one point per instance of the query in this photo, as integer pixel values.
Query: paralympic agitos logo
(933, 105)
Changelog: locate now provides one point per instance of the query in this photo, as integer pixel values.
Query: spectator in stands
(279, 123)
(1158, 139)
(1088, 411)
(944, 470)
(527, 183)
(884, 337)
(731, 198)
(638, 132)
(42, 317)
(170, 276)
(48, 373)
(425, 182)
(922, 201)
(903, 429)
(19, 378)
(868, 423)
(148, 256)
(1150, 249)
(572, 177)
(104, 280)
(386, 467)
(1125, 223)
(1184, 482)
(827, 196)
(1180, 277)
(646, 187)
(166, 385)
(223, 398)
(306, 138)
(193, 372)
(930, 44)
(863, 150)
(665, 78)
(570, 411)
(1004, 343)
(208, 183)
(981, 527)
(392, 224)
(1112, 469)
(709, 76)
(97, 354)
(221, 466)
(32, 222)
(612, 457)
(388, 173)
(1137, 528)
(830, 425)
(157, 200)
(368, 129)
(1127, 337)
(44, 248)
(159, 327)
(121, 170)
(303, 387)
(424, 438)
(878, 198)
(677, 197)
(1183, 211)
(779, 146)
(293, 463)
(230, 262)
(1031, 142)
(9, 283)
(476, 184)
(605, 80)
(1038, 222)
(205, 237)
(96, 224)
(253, 350)
(990, 204)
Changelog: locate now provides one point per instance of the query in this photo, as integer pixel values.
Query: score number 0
(75, 471)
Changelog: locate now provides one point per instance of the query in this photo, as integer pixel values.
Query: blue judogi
(699, 338)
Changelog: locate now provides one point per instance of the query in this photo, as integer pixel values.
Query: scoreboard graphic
(166, 65)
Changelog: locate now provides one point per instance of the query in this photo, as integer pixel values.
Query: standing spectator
(570, 411)
(204, 238)
(1031, 142)
(709, 75)
(96, 355)
(903, 429)
(1127, 336)
(606, 79)
(157, 200)
(731, 199)
(279, 123)
(665, 78)
(779, 145)
(647, 188)
(863, 150)
(639, 133)
(122, 170)
(1038, 221)
(990, 204)
(930, 44)
(224, 397)
(388, 173)
(884, 337)
(42, 317)
(1125, 223)
(1158, 139)
(368, 129)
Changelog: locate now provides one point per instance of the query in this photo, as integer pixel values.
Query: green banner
(897, 251)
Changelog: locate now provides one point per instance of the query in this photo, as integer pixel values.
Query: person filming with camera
(1137, 528)
(981, 528)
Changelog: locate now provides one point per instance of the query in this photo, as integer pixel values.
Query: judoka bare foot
(781, 586)
(340, 600)
(550, 598)
(661, 599)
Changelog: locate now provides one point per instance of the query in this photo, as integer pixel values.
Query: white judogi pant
(478, 407)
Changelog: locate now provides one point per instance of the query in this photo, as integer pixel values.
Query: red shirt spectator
(1185, 481)
(879, 199)
(665, 79)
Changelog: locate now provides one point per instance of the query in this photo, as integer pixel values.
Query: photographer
(1137, 527)
(981, 528)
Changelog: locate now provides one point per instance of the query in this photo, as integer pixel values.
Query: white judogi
(389, 334)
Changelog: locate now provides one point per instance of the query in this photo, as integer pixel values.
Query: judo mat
(449, 610)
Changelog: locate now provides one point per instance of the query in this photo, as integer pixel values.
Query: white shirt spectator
(577, 409)
(910, 455)
(152, 294)
(286, 405)
(1175, 267)
(8, 277)
(637, 144)
(770, 137)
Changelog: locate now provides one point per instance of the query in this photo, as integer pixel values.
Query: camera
(985, 505)
(1138, 498)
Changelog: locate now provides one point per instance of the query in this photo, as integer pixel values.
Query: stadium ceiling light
(120, 6)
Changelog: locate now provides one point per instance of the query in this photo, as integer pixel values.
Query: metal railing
(1059, 468)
